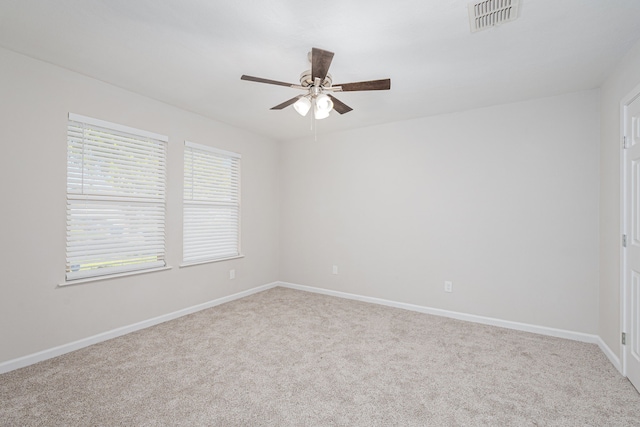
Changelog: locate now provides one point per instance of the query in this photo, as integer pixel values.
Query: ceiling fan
(318, 85)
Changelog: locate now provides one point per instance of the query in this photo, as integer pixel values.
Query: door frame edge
(626, 100)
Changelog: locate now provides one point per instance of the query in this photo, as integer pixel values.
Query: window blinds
(116, 187)
(211, 204)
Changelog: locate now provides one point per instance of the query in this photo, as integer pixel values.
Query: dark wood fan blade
(285, 104)
(339, 106)
(320, 63)
(261, 80)
(384, 84)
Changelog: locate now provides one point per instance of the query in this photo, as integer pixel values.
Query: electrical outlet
(448, 286)
(335, 269)
(232, 274)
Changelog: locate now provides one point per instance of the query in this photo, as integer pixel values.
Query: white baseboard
(543, 330)
(615, 360)
(30, 359)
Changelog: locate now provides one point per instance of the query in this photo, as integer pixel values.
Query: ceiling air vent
(489, 13)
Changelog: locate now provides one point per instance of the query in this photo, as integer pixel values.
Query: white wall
(503, 201)
(625, 78)
(35, 314)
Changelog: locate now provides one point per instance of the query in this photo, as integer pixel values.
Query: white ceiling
(192, 53)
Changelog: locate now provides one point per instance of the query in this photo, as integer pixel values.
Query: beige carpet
(291, 358)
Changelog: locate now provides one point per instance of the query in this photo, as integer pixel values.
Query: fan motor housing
(306, 80)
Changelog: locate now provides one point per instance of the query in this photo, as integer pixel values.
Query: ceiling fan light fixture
(302, 105)
(323, 106)
(319, 115)
(317, 80)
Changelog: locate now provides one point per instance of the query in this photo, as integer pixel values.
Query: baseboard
(615, 360)
(30, 359)
(542, 330)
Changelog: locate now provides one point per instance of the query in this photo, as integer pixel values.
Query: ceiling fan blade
(320, 63)
(384, 84)
(285, 104)
(261, 80)
(339, 106)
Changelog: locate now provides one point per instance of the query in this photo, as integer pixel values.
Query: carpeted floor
(290, 358)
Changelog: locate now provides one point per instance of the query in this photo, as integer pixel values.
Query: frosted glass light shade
(321, 114)
(323, 106)
(302, 106)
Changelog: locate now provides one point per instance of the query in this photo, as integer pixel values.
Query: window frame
(114, 198)
(236, 193)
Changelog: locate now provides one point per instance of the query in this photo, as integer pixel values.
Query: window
(211, 204)
(115, 198)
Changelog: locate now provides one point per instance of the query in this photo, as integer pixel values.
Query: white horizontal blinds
(116, 184)
(211, 204)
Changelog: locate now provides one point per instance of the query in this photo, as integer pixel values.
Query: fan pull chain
(315, 129)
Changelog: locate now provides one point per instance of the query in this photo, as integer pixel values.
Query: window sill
(112, 276)
(189, 264)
